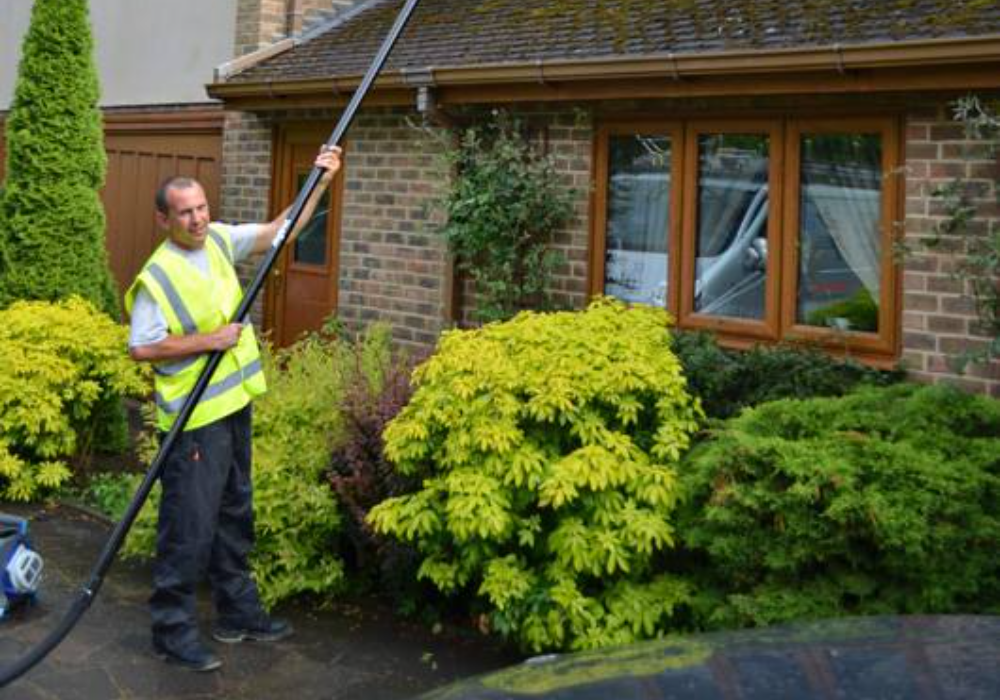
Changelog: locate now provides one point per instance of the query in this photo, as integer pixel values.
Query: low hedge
(881, 501)
(727, 381)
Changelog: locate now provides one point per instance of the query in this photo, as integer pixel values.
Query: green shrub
(545, 446)
(362, 476)
(52, 227)
(882, 501)
(109, 493)
(61, 360)
(726, 381)
(504, 206)
(296, 425)
(860, 313)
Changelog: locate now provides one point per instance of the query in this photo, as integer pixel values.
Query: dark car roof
(947, 657)
(468, 33)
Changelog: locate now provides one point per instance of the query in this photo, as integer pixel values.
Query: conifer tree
(52, 241)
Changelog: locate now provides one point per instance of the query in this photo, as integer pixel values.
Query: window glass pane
(635, 267)
(840, 242)
(310, 246)
(731, 263)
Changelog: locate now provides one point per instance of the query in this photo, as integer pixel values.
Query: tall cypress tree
(52, 223)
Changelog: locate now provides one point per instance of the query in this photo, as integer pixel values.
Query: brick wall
(939, 317)
(569, 136)
(393, 266)
(246, 180)
(259, 23)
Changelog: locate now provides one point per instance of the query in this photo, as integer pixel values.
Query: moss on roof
(469, 32)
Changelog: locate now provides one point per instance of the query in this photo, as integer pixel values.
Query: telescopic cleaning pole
(89, 591)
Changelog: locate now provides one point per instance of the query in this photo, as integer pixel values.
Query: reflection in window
(638, 218)
(731, 263)
(840, 241)
(310, 245)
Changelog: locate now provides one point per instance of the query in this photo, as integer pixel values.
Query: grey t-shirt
(148, 324)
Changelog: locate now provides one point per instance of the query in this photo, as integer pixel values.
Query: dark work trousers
(205, 528)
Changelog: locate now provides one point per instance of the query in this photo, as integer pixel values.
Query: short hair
(177, 182)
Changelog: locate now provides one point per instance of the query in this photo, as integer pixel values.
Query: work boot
(261, 628)
(193, 656)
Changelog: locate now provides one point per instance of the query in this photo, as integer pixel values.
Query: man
(180, 306)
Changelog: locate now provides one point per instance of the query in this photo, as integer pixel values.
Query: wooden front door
(302, 292)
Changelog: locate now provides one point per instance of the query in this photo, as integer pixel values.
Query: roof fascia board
(839, 58)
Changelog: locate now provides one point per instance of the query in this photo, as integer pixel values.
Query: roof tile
(464, 33)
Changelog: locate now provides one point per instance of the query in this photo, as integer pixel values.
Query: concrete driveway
(350, 652)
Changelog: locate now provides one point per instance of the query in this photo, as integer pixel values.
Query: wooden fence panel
(140, 157)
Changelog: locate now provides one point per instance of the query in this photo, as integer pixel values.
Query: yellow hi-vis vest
(194, 303)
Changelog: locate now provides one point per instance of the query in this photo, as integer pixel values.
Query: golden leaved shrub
(546, 446)
(59, 359)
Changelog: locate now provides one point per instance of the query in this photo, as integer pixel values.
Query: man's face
(186, 222)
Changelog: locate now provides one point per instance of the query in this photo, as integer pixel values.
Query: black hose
(87, 594)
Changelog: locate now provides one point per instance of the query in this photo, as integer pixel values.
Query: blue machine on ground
(20, 565)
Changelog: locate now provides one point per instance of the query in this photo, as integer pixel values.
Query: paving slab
(348, 652)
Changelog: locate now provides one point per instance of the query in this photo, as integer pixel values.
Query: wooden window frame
(599, 218)
(781, 289)
(766, 328)
(332, 232)
(884, 341)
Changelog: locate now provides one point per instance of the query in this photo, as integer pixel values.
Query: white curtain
(851, 216)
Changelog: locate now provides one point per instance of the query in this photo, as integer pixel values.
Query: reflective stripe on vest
(174, 298)
(223, 246)
(169, 369)
(232, 380)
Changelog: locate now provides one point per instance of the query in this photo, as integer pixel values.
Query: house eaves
(981, 54)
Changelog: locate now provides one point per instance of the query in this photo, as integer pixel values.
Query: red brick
(955, 346)
(920, 302)
(958, 305)
(914, 282)
(916, 206)
(913, 360)
(921, 151)
(948, 285)
(988, 170)
(919, 341)
(916, 133)
(947, 132)
(949, 169)
(914, 321)
(939, 364)
(979, 370)
(964, 151)
(947, 324)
